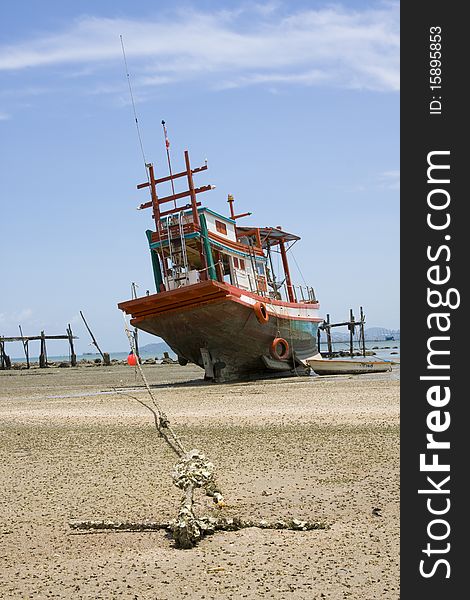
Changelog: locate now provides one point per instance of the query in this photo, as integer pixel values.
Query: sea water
(384, 350)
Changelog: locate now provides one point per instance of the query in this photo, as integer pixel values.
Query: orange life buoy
(261, 312)
(279, 348)
(132, 359)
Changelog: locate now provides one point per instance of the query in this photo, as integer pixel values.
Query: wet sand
(316, 448)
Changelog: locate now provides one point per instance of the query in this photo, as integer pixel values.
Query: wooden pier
(327, 326)
(5, 360)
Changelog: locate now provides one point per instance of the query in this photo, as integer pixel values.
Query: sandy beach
(74, 446)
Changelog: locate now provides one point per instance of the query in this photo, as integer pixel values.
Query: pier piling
(43, 355)
(73, 356)
(351, 327)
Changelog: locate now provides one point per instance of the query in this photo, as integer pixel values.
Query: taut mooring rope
(192, 471)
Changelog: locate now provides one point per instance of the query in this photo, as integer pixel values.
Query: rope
(161, 420)
(192, 471)
(298, 268)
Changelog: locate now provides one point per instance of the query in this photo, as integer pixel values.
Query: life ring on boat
(261, 312)
(279, 348)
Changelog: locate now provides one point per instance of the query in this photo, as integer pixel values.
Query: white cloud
(249, 46)
(303, 78)
(4, 116)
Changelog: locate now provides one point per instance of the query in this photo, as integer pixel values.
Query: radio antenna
(133, 105)
(167, 146)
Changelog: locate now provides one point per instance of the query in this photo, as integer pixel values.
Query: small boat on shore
(327, 366)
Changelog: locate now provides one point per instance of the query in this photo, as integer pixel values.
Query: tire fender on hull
(279, 348)
(261, 312)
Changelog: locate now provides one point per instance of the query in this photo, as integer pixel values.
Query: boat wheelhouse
(219, 302)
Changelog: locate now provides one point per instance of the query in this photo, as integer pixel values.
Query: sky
(295, 105)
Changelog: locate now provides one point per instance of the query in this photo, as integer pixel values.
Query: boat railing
(306, 294)
(303, 294)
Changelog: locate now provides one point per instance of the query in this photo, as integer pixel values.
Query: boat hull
(219, 330)
(347, 367)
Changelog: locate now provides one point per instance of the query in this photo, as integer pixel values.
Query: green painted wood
(157, 272)
(207, 248)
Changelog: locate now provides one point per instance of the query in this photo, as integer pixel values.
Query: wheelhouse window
(238, 263)
(221, 227)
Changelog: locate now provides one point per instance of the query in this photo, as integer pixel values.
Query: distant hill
(156, 349)
(380, 333)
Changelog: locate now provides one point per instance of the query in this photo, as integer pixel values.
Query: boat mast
(167, 146)
(192, 191)
(156, 202)
(231, 200)
(285, 264)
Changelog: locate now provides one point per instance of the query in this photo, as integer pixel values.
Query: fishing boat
(327, 366)
(218, 302)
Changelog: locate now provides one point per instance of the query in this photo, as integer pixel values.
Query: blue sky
(294, 104)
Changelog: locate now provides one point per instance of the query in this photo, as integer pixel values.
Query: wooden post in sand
(351, 327)
(105, 356)
(363, 339)
(328, 335)
(43, 354)
(5, 362)
(25, 343)
(73, 356)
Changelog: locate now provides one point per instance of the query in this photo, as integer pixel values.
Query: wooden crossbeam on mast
(190, 193)
(155, 201)
(170, 177)
(178, 209)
